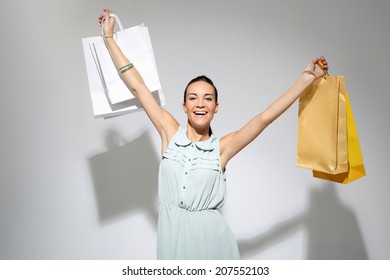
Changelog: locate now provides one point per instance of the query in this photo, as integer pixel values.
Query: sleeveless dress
(192, 187)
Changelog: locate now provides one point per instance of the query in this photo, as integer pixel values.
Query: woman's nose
(200, 103)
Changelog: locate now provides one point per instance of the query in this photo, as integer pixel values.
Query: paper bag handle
(117, 20)
(322, 68)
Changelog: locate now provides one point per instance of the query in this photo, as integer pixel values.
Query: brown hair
(201, 78)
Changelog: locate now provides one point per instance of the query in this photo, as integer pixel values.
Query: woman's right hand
(107, 22)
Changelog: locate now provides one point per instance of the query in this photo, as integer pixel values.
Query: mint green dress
(192, 187)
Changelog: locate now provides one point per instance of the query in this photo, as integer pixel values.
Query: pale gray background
(75, 187)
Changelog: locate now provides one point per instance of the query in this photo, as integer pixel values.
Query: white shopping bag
(110, 97)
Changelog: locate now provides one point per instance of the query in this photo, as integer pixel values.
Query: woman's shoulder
(168, 134)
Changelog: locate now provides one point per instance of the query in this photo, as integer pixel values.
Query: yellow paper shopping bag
(322, 135)
(356, 168)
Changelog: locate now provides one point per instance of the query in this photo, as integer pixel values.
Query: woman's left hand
(318, 66)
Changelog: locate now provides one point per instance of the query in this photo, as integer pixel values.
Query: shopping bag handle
(322, 68)
(117, 20)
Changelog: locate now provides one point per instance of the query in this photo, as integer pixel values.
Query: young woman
(192, 183)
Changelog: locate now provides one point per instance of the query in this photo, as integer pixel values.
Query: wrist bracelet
(310, 73)
(109, 37)
(125, 68)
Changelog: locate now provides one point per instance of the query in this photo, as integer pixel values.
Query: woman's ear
(184, 108)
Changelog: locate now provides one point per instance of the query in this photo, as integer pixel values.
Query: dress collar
(182, 140)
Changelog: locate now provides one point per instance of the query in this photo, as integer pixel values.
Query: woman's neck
(197, 135)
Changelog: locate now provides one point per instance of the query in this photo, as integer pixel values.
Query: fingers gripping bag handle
(118, 21)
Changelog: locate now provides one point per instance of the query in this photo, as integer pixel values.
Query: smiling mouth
(200, 113)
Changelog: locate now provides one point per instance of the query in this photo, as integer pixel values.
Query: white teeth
(200, 113)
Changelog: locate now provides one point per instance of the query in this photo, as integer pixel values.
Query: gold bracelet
(310, 73)
(109, 37)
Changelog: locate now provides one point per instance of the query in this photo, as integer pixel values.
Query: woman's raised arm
(234, 142)
(164, 122)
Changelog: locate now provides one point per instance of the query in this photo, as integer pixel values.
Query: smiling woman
(201, 99)
(192, 184)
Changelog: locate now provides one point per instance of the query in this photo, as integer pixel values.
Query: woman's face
(200, 104)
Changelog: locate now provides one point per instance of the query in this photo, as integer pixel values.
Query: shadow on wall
(125, 178)
(333, 232)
